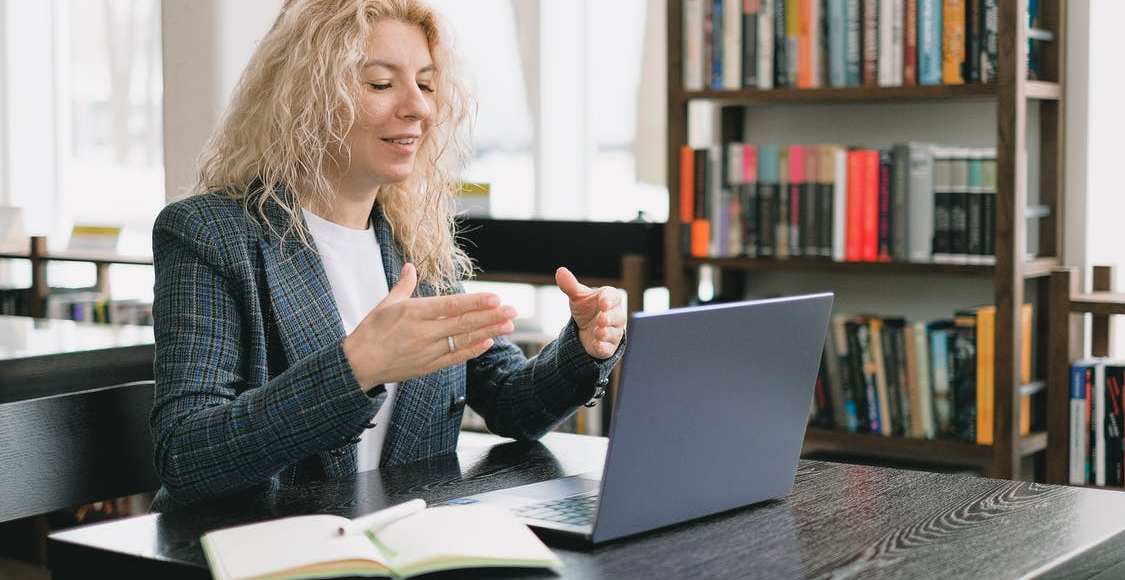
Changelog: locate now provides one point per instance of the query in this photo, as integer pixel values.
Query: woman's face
(395, 107)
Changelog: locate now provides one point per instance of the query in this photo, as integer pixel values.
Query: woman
(309, 316)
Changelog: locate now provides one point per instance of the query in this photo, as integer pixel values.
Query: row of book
(1097, 449)
(85, 305)
(912, 202)
(734, 44)
(921, 379)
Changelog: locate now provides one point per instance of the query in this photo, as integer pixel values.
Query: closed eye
(379, 86)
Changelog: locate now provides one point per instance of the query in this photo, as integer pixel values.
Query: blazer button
(354, 440)
(337, 452)
(456, 404)
(369, 425)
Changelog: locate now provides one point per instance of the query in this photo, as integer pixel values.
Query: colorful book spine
(732, 45)
(853, 43)
(870, 40)
(839, 202)
(768, 198)
(780, 45)
(1081, 383)
(687, 196)
(837, 43)
(693, 45)
(986, 368)
(920, 196)
(910, 43)
(929, 42)
(939, 333)
(885, 226)
(750, 199)
(750, 11)
(765, 44)
(869, 221)
(953, 42)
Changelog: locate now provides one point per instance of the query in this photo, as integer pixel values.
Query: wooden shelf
(936, 451)
(39, 256)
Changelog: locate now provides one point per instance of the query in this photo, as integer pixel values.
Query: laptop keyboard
(578, 510)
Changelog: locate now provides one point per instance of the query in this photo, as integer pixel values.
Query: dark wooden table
(839, 522)
(74, 404)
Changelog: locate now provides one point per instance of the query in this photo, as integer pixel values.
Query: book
(769, 195)
(1095, 401)
(939, 333)
(853, 44)
(732, 45)
(910, 43)
(765, 44)
(925, 416)
(963, 357)
(884, 203)
(986, 368)
(399, 542)
(929, 42)
(919, 199)
(869, 36)
(1081, 385)
(750, 11)
(693, 45)
(837, 43)
(953, 42)
(1114, 444)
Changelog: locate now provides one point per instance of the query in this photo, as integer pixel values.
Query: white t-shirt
(354, 264)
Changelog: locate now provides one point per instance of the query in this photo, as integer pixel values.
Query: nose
(414, 105)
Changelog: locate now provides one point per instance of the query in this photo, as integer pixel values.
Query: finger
(438, 307)
(471, 321)
(464, 353)
(569, 284)
(404, 288)
(609, 297)
(479, 334)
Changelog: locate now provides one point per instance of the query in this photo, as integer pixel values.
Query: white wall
(206, 45)
(1095, 123)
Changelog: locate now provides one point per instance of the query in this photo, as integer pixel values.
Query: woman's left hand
(598, 312)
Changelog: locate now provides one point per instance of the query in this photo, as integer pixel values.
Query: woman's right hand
(404, 337)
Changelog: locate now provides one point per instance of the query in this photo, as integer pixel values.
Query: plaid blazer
(253, 390)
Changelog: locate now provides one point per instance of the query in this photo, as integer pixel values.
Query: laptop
(710, 415)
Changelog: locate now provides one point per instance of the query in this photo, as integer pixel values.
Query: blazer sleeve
(525, 398)
(218, 424)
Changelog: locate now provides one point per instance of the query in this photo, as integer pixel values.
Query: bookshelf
(1013, 279)
(1068, 304)
(39, 256)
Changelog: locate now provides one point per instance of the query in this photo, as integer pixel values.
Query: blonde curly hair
(296, 102)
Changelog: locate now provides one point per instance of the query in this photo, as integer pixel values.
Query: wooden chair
(75, 448)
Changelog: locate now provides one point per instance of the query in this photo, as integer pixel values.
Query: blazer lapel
(417, 397)
(304, 309)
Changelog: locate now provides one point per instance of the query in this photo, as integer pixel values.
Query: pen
(383, 517)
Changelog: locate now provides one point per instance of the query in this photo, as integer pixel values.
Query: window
(558, 84)
(82, 126)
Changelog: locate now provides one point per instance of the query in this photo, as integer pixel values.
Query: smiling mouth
(402, 141)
